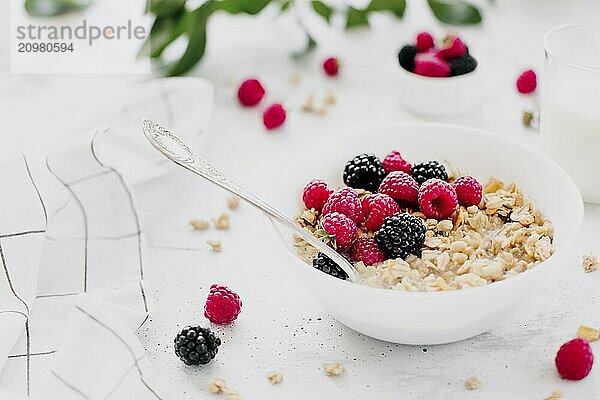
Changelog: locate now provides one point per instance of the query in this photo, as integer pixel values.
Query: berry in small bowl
(443, 78)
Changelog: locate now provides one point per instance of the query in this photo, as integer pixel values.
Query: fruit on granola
(222, 306)
(337, 230)
(274, 116)
(424, 41)
(526, 82)
(401, 187)
(325, 264)
(331, 66)
(574, 359)
(315, 194)
(437, 199)
(462, 65)
(431, 64)
(406, 57)
(423, 171)
(364, 171)
(196, 345)
(250, 92)
(376, 208)
(365, 249)
(400, 235)
(345, 201)
(453, 48)
(468, 191)
(395, 162)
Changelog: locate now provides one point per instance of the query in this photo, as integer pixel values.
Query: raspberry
(428, 170)
(274, 116)
(526, 82)
(196, 345)
(367, 250)
(462, 65)
(250, 92)
(401, 187)
(376, 208)
(364, 171)
(406, 57)
(325, 264)
(430, 64)
(395, 162)
(437, 199)
(337, 229)
(453, 48)
(315, 194)
(424, 41)
(468, 191)
(401, 235)
(345, 201)
(574, 359)
(222, 305)
(331, 66)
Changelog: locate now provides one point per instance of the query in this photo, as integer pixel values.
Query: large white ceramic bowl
(431, 317)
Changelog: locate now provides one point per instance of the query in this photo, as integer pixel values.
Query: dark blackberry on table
(365, 171)
(462, 65)
(424, 171)
(325, 264)
(406, 57)
(401, 235)
(196, 345)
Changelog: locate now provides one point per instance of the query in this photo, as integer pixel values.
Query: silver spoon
(178, 152)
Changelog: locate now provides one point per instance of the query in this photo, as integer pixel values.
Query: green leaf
(165, 31)
(165, 8)
(285, 5)
(396, 7)
(356, 17)
(48, 8)
(455, 12)
(322, 9)
(310, 46)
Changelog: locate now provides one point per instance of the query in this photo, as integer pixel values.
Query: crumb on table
(233, 202)
(199, 224)
(333, 369)
(556, 395)
(588, 333)
(222, 222)
(590, 263)
(274, 377)
(472, 383)
(215, 245)
(219, 386)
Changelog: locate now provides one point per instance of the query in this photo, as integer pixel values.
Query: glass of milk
(570, 103)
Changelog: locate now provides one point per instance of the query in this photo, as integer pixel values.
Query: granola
(333, 369)
(472, 383)
(199, 224)
(588, 333)
(274, 377)
(590, 263)
(215, 245)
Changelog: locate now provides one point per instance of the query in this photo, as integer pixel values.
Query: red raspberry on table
(315, 194)
(468, 191)
(431, 64)
(222, 305)
(331, 66)
(574, 359)
(367, 250)
(338, 229)
(376, 208)
(401, 187)
(395, 162)
(527, 82)
(250, 92)
(424, 41)
(345, 201)
(274, 116)
(454, 48)
(437, 199)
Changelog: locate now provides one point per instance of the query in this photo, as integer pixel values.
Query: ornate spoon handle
(178, 152)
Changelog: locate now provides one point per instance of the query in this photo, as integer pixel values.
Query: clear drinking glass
(570, 103)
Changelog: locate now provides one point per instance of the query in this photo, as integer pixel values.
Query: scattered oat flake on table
(556, 395)
(588, 333)
(472, 383)
(199, 224)
(590, 263)
(333, 369)
(215, 245)
(329, 98)
(222, 222)
(217, 386)
(274, 377)
(233, 202)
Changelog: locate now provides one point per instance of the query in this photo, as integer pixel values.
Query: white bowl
(431, 317)
(453, 96)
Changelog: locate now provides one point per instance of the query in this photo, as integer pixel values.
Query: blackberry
(406, 57)
(364, 171)
(196, 345)
(325, 264)
(462, 65)
(424, 171)
(401, 235)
